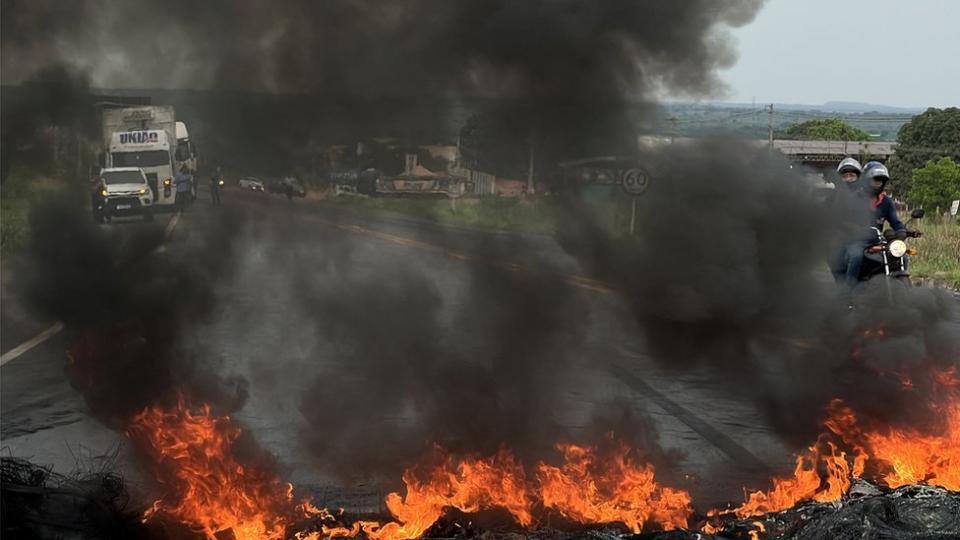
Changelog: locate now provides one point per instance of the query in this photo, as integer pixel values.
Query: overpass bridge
(821, 153)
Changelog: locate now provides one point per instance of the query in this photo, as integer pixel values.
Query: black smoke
(128, 304)
(577, 75)
(53, 96)
(720, 274)
(728, 272)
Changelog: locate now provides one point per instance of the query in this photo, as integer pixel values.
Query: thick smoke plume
(576, 74)
(54, 95)
(127, 304)
(574, 50)
(727, 274)
(720, 277)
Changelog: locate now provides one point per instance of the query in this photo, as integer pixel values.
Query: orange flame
(211, 491)
(470, 485)
(208, 489)
(585, 489)
(914, 456)
(614, 489)
(823, 472)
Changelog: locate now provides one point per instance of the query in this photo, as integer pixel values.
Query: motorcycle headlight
(898, 248)
(167, 182)
(103, 192)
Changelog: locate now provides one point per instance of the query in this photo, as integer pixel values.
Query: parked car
(251, 183)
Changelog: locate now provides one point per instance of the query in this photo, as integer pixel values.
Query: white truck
(186, 153)
(143, 137)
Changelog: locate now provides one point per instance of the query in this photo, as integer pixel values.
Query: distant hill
(846, 107)
(857, 107)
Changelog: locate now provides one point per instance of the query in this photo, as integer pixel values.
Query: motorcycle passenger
(849, 171)
(845, 266)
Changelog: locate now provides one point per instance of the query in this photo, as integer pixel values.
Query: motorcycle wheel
(904, 280)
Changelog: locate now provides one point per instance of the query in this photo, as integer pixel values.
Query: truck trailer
(143, 137)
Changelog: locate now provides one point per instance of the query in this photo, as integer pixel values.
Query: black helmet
(849, 165)
(874, 171)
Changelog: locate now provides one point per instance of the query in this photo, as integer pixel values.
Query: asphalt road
(719, 440)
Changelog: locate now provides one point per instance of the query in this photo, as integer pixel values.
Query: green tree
(826, 129)
(936, 184)
(928, 136)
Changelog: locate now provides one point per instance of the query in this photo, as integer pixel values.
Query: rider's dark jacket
(885, 210)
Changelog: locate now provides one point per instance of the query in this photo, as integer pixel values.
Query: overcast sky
(887, 52)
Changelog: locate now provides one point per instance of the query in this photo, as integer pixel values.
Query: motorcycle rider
(215, 180)
(97, 201)
(874, 178)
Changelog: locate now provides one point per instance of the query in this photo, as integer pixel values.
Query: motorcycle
(888, 255)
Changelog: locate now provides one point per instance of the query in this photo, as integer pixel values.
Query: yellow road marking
(19, 350)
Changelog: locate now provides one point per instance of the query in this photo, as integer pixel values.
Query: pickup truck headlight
(143, 191)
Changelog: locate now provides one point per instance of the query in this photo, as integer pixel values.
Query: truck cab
(149, 150)
(125, 191)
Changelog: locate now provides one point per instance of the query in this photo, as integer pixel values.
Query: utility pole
(770, 127)
(530, 169)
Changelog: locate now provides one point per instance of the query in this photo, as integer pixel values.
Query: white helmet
(849, 165)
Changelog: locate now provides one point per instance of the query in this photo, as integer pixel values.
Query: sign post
(635, 181)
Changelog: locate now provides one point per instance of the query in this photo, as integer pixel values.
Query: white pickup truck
(124, 191)
(251, 183)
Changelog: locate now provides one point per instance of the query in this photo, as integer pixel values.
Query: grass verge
(20, 191)
(939, 251)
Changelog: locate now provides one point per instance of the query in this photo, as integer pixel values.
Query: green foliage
(827, 129)
(929, 136)
(936, 184)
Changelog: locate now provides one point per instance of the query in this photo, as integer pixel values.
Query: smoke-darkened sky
(489, 48)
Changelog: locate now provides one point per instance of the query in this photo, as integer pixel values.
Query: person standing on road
(215, 182)
(97, 202)
(183, 182)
